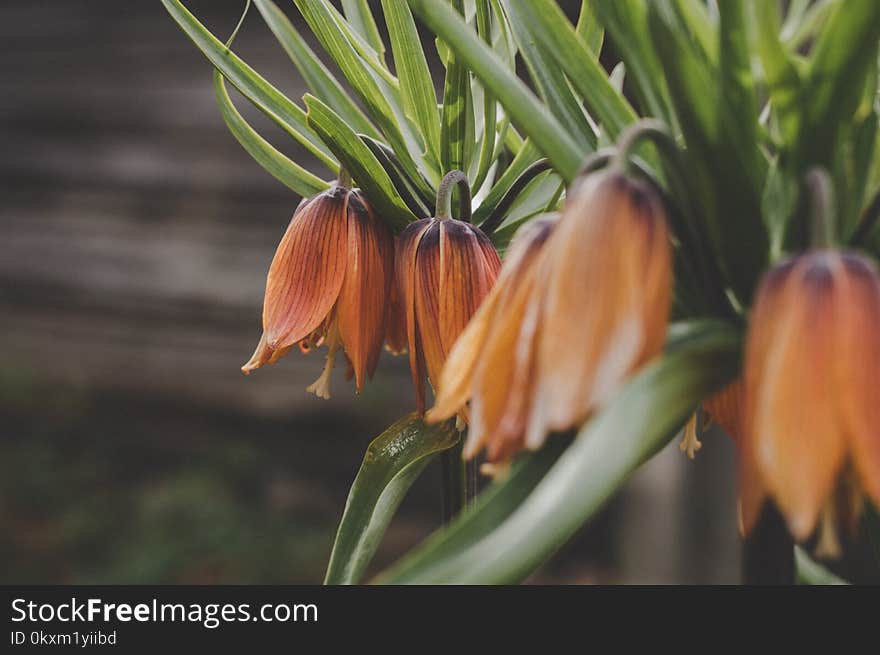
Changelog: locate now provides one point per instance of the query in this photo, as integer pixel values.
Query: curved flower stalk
(811, 420)
(445, 268)
(329, 284)
(582, 305)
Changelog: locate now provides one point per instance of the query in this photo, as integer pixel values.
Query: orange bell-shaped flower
(582, 303)
(329, 283)
(811, 416)
(445, 267)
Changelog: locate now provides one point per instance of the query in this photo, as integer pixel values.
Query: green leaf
(360, 162)
(524, 108)
(320, 81)
(589, 29)
(626, 22)
(276, 163)
(549, 26)
(358, 14)
(417, 87)
(488, 136)
(379, 93)
(637, 423)
(780, 73)
(844, 53)
(393, 461)
(723, 156)
(549, 79)
(456, 120)
(491, 508)
(527, 155)
(810, 572)
(290, 117)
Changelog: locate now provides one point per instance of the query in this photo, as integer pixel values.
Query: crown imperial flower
(329, 283)
(811, 420)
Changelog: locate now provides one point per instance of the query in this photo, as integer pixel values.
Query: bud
(329, 283)
(811, 420)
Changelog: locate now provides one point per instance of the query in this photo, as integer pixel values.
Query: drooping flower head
(329, 283)
(445, 268)
(811, 416)
(584, 303)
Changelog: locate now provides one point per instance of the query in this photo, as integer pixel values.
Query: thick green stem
(343, 179)
(821, 197)
(444, 196)
(647, 128)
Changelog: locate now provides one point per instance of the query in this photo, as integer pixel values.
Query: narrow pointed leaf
(393, 461)
(358, 14)
(416, 85)
(550, 28)
(810, 572)
(283, 169)
(320, 81)
(589, 29)
(287, 114)
(549, 79)
(526, 111)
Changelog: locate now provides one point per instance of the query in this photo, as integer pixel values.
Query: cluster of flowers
(582, 302)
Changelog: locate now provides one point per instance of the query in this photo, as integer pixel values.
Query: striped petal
(405, 276)
(365, 288)
(305, 276)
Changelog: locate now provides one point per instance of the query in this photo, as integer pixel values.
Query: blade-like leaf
(290, 117)
(525, 109)
(416, 85)
(393, 461)
(589, 29)
(320, 81)
(456, 121)
(276, 163)
(810, 572)
(492, 508)
(358, 14)
(635, 425)
(379, 93)
(549, 79)
(550, 28)
(360, 162)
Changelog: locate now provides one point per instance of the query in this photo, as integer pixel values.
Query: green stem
(444, 196)
(821, 196)
(648, 128)
(343, 179)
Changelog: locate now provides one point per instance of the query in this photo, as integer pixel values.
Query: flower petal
(307, 271)
(405, 276)
(795, 437)
(365, 289)
(606, 296)
(859, 356)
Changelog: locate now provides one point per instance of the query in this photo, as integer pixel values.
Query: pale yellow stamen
(690, 444)
(828, 545)
(321, 386)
